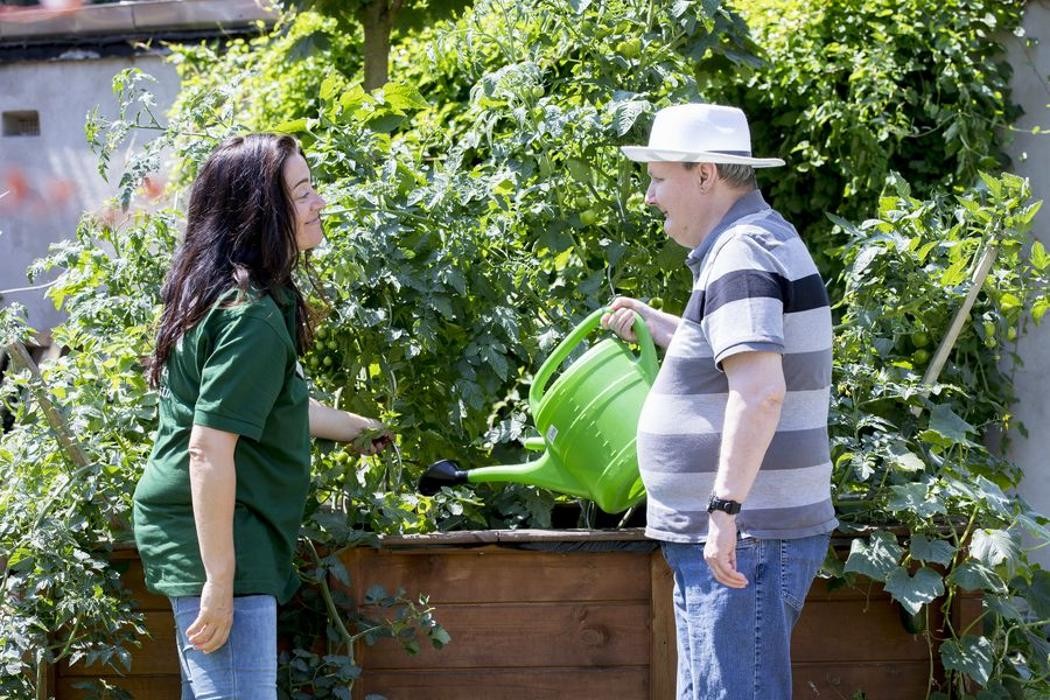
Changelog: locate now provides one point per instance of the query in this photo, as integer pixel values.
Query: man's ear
(706, 174)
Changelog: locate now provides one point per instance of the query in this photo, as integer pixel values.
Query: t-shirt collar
(750, 203)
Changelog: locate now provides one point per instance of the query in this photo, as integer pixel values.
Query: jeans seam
(758, 583)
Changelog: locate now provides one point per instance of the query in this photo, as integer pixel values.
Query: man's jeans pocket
(800, 561)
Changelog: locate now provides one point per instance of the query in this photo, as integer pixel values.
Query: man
(732, 440)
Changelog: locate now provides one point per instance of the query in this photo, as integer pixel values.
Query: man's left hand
(720, 550)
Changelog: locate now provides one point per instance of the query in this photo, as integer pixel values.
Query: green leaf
(403, 97)
(1037, 593)
(930, 550)
(993, 496)
(1038, 256)
(915, 498)
(945, 422)
(294, 126)
(994, 548)
(1039, 308)
(625, 113)
(973, 576)
(970, 655)
(328, 86)
(912, 592)
(875, 558)
(904, 459)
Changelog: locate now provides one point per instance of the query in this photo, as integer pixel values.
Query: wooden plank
(845, 630)
(473, 537)
(966, 610)
(134, 580)
(162, 687)
(878, 681)
(622, 683)
(504, 576)
(156, 656)
(499, 635)
(663, 655)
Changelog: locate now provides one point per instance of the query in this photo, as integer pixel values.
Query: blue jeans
(735, 644)
(245, 667)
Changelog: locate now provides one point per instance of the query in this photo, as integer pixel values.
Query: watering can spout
(441, 473)
(544, 472)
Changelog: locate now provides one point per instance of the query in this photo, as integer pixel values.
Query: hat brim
(642, 154)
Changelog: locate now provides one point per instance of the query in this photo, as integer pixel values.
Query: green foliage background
(479, 206)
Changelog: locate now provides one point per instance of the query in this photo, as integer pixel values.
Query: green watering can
(587, 419)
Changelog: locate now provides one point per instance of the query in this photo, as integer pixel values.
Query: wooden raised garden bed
(559, 614)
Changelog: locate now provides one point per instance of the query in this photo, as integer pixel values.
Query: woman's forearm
(213, 487)
(341, 426)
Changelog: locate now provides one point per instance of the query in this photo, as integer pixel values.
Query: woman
(218, 509)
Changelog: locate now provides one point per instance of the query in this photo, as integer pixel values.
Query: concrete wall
(53, 177)
(1031, 158)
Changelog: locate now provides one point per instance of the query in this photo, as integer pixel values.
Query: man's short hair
(737, 175)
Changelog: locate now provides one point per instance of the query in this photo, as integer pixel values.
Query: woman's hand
(373, 438)
(211, 629)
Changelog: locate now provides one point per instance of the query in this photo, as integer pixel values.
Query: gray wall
(58, 166)
(1031, 158)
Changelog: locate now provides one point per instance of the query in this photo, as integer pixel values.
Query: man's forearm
(663, 327)
(748, 429)
(756, 396)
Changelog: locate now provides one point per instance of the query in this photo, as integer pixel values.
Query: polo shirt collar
(750, 203)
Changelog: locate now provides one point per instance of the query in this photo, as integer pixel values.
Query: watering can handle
(647, 356)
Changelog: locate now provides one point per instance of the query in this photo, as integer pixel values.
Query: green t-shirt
(236, 371)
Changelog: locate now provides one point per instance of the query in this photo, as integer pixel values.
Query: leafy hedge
(479, 206)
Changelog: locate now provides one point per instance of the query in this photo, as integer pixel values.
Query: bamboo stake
(948, 342)
(20, 357)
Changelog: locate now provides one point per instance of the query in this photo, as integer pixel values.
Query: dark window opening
(26, 123)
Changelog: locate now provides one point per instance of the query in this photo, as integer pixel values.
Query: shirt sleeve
(242, 377)
(743, 306)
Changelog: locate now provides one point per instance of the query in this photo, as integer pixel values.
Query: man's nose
(650, 197)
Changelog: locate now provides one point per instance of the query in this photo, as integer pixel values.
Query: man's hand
(211, 629)
(621, 320)
(720, 550)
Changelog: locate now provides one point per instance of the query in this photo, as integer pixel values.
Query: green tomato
(656, 303)
(320, 333)
(920, 357)
(588, 217)
(537, 91)
(332, 345)
(989, 335)
(630, 48)
(920, 339)
(1011, 334)
(328, 361)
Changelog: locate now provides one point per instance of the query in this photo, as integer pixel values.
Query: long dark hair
(240, 233)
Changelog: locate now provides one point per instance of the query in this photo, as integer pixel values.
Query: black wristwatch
(723, 504)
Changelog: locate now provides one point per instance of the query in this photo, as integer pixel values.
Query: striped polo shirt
(755, 289)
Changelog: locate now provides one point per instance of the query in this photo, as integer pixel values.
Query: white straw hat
(699, 133)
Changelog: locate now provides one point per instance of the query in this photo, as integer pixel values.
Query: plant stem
(333, 611)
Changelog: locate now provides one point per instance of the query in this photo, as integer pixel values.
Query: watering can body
(587, 419)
